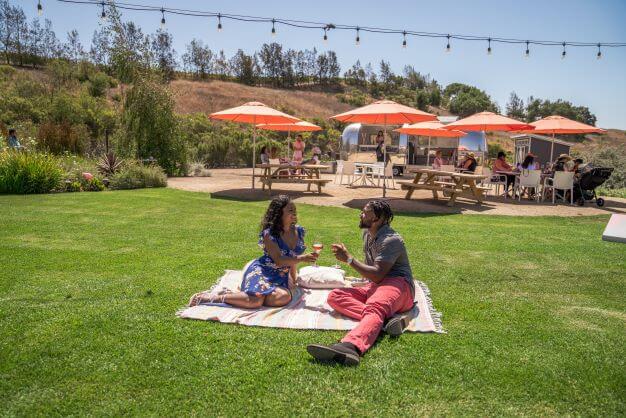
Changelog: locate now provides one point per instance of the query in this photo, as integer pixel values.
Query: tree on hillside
(163, 53)
(464, 100)
(129, 49)
(73, 48)
(198, 58)
(221, 66)
(100, 42)
(355, 76)
(245, 68)
(537, 109)
(515, 107)
(271, 60)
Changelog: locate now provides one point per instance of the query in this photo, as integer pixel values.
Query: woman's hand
(308, 258)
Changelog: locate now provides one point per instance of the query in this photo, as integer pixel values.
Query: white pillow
(320, 277)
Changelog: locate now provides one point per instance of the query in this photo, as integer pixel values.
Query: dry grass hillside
(208, 97)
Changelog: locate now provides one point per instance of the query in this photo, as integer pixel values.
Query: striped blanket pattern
(307, 310)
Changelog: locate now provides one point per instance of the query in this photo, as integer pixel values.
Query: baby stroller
(590, 178)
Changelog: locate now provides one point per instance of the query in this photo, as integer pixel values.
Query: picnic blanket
(307, 310)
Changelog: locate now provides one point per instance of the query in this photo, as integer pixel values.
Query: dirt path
(236, 183)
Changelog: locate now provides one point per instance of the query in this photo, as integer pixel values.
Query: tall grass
(28, 172)
(137, 176)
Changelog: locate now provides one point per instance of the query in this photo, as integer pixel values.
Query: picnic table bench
(308, 174)
(460, 184)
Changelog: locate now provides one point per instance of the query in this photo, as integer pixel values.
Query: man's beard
(364, 224)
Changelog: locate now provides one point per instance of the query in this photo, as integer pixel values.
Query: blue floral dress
(262, 275)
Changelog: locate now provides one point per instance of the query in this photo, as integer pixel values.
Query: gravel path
(236, 183)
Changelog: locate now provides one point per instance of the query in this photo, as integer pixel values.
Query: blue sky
(580, 78)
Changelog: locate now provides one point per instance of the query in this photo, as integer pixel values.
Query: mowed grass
(535, 311)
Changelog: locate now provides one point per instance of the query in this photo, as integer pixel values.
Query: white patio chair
(562, 180)
(528, 179)
(493, 180)
(339, 169)
(386, 173)
(348, 168)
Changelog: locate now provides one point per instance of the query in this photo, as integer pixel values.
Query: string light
(325, 36)
(489, 46)
(219, 22)
(527, 53)
(39, 8)
(103, 15)
(302, 24)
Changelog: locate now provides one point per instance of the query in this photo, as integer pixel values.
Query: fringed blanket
(307, 310)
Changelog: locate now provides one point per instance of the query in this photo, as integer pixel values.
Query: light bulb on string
(39, 8)
(404, 39)
(219, 22)
(527, 53)
(489, 46)
(564, 53)
(325, 36)
(599, 54)
(448, 48)
(273, 28)
(162, 18)
(358, 38)
(103, 15)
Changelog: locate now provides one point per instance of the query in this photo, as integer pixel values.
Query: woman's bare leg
(279, 297)
(242, 300)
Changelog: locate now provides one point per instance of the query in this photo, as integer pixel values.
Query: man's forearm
(372, 273)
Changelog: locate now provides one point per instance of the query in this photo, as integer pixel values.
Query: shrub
(98, 84)
(136, 176)
(6, 71)
(109, 164)
(197, 169)
(26, 172)
(93, 185)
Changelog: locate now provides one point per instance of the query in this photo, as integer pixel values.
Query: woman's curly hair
(272, 219)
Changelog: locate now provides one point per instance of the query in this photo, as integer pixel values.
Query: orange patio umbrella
(385, 112)
(488, 121)
(430, 129)
(302, 126)
(254, 113)
(560, 125)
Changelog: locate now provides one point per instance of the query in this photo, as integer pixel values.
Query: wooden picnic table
(288, 173)
(461, 184)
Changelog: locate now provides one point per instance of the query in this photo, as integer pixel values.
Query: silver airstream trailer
(358, 143)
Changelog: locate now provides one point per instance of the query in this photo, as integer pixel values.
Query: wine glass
(317, 247)
(337, 241)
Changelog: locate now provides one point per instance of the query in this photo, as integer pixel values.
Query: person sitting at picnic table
(12, 140)
(469, 164)
(561, 163)
(265, 157)
(317, 156)
(529, 163)
(501, 165)
(438, 161)
(390, 289)
(268, 280)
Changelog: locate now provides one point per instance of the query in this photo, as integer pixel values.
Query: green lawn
(535, 310)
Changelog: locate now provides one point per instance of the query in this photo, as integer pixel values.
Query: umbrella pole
(288, 144)
(385, 159)
(253, 151)
(552, 149)
(428, 153)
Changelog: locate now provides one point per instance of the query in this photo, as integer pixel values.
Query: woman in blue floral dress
(268, 279)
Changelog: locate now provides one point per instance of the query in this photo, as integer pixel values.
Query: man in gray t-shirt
(390, 288)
